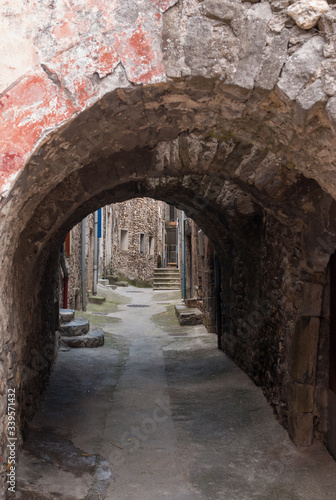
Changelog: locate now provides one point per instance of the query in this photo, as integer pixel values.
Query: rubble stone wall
(73, 263)
(139, 216)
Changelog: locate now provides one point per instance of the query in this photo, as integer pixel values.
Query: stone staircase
(188, 315)
(77, 332)
(167, 279)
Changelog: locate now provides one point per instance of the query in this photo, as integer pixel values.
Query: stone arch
(244, 194)
(231, 146)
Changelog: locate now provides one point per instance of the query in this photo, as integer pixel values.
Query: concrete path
(160, 413)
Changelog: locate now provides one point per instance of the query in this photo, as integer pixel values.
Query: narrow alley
(159, 412)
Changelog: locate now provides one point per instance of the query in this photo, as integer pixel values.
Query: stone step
(95, 338)
(167, 275)
(166, 286)
(175, 277)
(166, 270)
(111, 287)
(74, 328)
(188, 316)
(167, 279)
(96, 299)
(66, 315)
(103, 282)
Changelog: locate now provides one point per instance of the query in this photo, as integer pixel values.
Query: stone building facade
(137, 238)
(226, 110)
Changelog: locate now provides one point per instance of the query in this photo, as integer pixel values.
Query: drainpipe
(95, 254)
(177, 243)
(106, 234)
(65, 278)
(183, 252)
(164, 238)
(83, 269)
(218, 300)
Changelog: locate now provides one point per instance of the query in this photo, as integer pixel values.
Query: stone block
(74, 328)
(196, 46)
(223, 10)
(301, 66)
(327, 26)
(95, 338)
(187, 316)
(300, 428)
(303, 350)
(306, 13)
(313, 94)
(66, 315)
(275, 56)
(253, 39)
(96, 299)
(328, 75)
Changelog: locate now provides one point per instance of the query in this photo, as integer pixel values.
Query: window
(172, 214)
(123, 239)
(151, 245)
(142, 243)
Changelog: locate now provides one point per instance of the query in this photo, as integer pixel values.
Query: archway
(272, 228)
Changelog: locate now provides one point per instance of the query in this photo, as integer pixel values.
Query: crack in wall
(56, 81)
(52, 76)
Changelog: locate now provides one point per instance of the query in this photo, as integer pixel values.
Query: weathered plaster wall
(63, 56)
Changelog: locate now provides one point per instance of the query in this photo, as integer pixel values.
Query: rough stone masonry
(226, 109)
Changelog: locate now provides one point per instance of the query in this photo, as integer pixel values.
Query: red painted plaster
(143, 63)
(107, 60)
(29, 108)
(72, 43)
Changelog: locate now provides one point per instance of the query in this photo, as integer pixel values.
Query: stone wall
(73, 264)
(140, 216)
(271, 307)
(256, 324)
